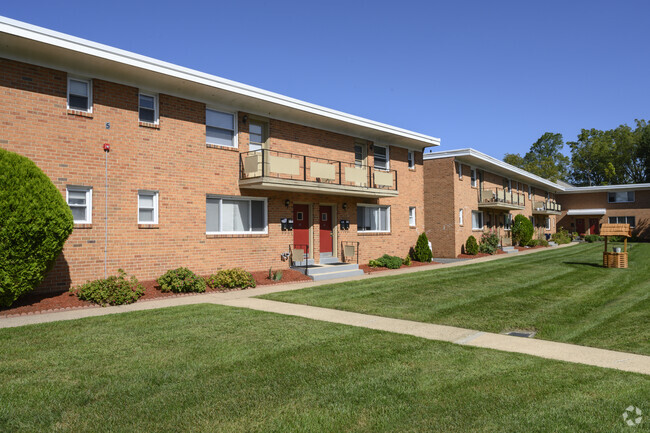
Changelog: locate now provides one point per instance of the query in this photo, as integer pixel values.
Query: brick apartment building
(468, 192)
(202, 171)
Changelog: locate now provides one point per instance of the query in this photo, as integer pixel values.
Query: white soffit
(32, 44)
(586, 212)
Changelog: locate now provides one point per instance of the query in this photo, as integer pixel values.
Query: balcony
(500, 199)
(283, 171)
(547, 208)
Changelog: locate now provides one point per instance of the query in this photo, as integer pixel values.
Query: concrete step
(328, 260)
(336, 274)
(552, 244)
(510, 250)
(304, 263)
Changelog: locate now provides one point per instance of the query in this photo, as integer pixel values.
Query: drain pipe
(107, 149)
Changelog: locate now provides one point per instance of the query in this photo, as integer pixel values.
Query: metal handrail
(511, 195)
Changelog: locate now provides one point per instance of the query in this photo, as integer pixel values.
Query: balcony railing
(547, 206)
(500, 197)
(266, 163)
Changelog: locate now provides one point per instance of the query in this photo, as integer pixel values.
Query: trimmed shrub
(407, 260)
(35, 223)
(593, 238)
(543, 242)
(422, 252)
(386, 261)
(471, 246)
(561, 236)
(181, 280)
(522, 230)
(533, 243)
(114, 290)
(489, 243)
(232, 278)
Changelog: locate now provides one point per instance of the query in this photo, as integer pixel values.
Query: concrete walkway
(468, 337)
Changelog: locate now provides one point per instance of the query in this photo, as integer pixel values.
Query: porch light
(345, 206)
(286, 203)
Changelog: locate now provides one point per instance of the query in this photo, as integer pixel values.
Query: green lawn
(563, 294)
(208, 368)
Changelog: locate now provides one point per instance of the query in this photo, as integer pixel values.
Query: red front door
(580, 226)
(326, 229)
(301, 227)
(593, 226)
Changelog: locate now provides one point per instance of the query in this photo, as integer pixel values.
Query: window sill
(149, 125)
(82, 226)
(411, 169)
(79, 113)
(236, 235)
(477, 230)
(148, 226)
(413, 227)
(217, 146)
(369, 233)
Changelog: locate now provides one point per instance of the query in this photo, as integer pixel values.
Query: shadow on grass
(593, 265)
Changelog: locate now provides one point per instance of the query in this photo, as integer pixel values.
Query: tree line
(617, 156)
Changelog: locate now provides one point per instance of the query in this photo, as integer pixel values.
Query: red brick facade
(173, 159)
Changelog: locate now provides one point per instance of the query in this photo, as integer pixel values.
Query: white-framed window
(547, 223)
(373, 218)
(477, 220)
(509, 185)
(411, 159)
(620, 197)
(623, 220)
(148, 108)
(382, 158)
(460, 217)
(530, 192)
(532, 220)
(220, 128)
(412, 216)
(147, 207)
(473, 173)
(507, 221)
(80, 94)
(460, 170)
(256, 135)
(235, 215)
(80, 200)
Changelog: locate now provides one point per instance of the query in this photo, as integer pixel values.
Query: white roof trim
(586, 212)
(62, 40)
(599, 188)
(491, 161)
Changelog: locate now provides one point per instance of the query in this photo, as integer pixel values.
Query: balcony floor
(276, 184)
(546, 212)
(501, 206)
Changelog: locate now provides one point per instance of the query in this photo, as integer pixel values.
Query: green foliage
(617, 156)
(532, 243)
(35, 222)
(386, 261)
(543, 242)
(407, 260)
(489, 243)
(114, 290)
(522, 230)
(594, 238)
(275, 276)
(181, 280)
(422, 252)
(471, 246)
(544, 158)
(561, 236)
(235, 278)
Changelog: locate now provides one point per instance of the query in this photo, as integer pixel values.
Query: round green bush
(233, 278)
(522, 230)
(471, 246)
(181, 280)
(114, 290)
(35, 223)
(422, 252)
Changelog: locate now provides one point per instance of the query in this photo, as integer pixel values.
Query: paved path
(468, 337)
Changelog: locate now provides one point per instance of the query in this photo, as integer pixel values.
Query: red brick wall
(174, 160)
(439, 204)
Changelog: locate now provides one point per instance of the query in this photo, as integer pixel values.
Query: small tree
(471, 246)
(35, 223)
(522, 230)
(422, 251)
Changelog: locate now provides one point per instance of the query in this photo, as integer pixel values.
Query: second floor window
(79, 94)
(381, 158)
(219, 128)
(473, 173)
(147, 108)
(256, 136)
(411, 159)
(620, 197)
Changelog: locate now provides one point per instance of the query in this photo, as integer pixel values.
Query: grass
(208, 368)
(563, 294)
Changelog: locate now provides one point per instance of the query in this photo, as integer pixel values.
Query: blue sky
(489, 75)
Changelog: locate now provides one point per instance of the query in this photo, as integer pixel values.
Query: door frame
(335, 226)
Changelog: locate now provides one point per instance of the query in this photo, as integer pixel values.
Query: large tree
(544, 158)
(616, 156)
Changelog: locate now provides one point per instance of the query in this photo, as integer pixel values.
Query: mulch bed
(530, 248)
(36, 303)
(368, 270)
(476, 256)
